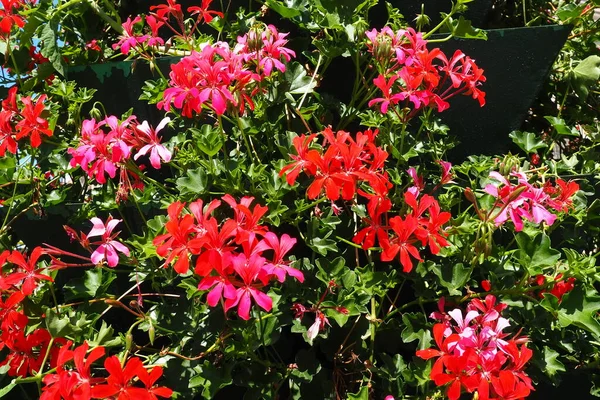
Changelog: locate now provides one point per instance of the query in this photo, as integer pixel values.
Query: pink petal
(98, 255)
(119, 247)
(263, 300)
(244, 306)
(112, 258)
(98, 229)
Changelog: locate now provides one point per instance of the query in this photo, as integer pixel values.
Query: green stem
(373, 326)
(12, 199)
(249, 148)
(442, 23)
(348, 242)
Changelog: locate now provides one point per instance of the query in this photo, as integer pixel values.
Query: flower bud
(470, 195)
(151, 332)
(96, 114)
(128, 341)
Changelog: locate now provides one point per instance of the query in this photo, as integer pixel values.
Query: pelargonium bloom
(148, 137)
(109, 247)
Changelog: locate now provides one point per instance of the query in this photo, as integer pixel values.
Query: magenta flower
(100, 153)
(446, 174)
(109, 247)
(148, 135)
(248, 269)
(386, 89)
(279, 267)
(129, 39)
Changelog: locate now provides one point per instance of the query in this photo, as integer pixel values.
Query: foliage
(276, 217)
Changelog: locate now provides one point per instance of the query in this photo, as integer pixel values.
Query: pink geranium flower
(129, 38)
(248, 269)
(109, 247)
(148, 137)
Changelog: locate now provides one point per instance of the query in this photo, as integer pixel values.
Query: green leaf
(527, 141)
(415, 328)
(585, 74)
(561, 127)
(362, 394)
(462, 28)
(50, 47)
(579, 308)
(209, 140)
(286, 8)
(195, 182)
(569, 11)
(104, 337)
(536, 253)
(323, 245)
(6, 389)
(551, 363)
(298, 80)
(453, 278)
(95, 282)
(58, 325)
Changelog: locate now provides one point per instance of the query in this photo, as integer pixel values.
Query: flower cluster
(411, 73)
(230, 254)
(129, 380)
(348, 166)
(27, 351)
(424, 224)
(9, 16)
(106, 146)
(340, 165)
(161, 16)
(524, 201)
(560, 285)
(475, 354)
(20, 122)
(219, 78)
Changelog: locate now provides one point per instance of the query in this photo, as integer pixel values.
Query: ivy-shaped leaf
(579, 309)
(195, 182)
(462, 28)
(585, 74)
(50, 47)
(527, 141)
(299, 81)
(536, 253)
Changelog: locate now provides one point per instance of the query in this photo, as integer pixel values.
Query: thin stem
(12, 199)
(312, 79)
(442, 23)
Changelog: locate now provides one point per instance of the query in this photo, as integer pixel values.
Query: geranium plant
(271, 229)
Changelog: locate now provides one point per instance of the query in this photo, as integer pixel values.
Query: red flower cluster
(559, 289)
(473, 353)
(163, 13)
(346, 163)
(27, 351)
(131, 38)
(128, 381)
(9, 16)
(410, 73)
(230, 257)
(220, 78)
(340, 165)
(19, 122)
(106, 146)
(26, 276)
(424, 224)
